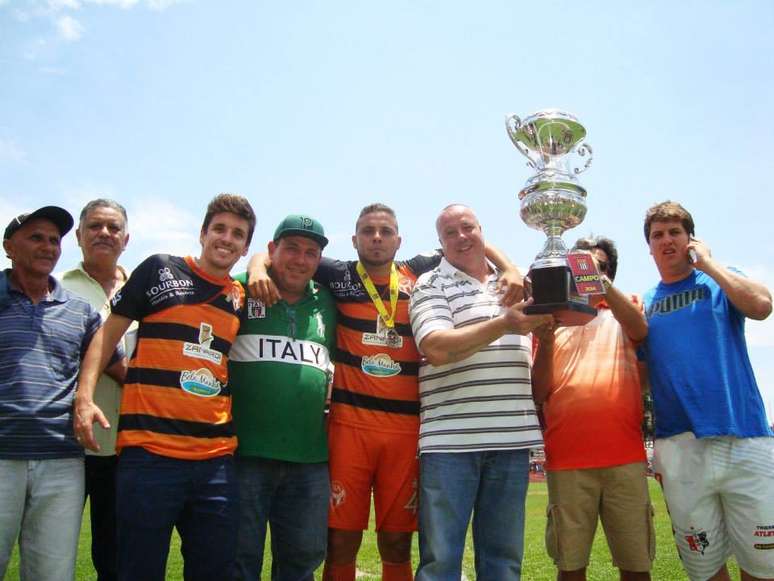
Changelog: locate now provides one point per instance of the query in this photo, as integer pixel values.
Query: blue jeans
(41, 502)
(293, 498)
(492, 486)
(156, 493)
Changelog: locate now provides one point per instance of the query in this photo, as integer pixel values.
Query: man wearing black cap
(44, 331)
(280, 371)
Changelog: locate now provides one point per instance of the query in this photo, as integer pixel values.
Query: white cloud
(59, 12)
(124, 4)
(69, 28)
(57, 5)
(159, 225)
(10, 151)
(160, 5)
(157, 5)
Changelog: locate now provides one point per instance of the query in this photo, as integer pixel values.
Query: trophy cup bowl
(550, 132)
(553, 201)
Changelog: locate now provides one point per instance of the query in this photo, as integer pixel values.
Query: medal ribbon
(376, 299)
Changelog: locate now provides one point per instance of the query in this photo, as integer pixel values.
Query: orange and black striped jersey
(176, 400)
(375, 383)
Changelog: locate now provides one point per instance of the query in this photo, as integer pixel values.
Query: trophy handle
(582, 150)
(512, 126)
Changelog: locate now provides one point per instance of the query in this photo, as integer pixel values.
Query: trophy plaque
(553, 201)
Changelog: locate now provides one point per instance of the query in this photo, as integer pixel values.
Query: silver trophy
(553, 201)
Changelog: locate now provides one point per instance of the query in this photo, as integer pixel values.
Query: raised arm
(626, 312)
(751, 298)
(94, 362)
(259, 283)
(543, 365)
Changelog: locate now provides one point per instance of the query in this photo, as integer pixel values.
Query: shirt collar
(448, 269)
(81, 270)
(56, 295)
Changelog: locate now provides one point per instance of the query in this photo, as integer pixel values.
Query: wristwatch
(606, 282)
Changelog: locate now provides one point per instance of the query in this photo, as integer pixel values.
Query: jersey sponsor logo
(168, 286)
(338, 494)
(202, 350)
(200, 382)
(275, 348)
(697, 541)
(764, 531)
(346, 288)
(381, 340)
(256, 309)
(406, 284)
(380, 365)
(677, 301)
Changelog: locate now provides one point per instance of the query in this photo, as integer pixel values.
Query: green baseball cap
(300, 225)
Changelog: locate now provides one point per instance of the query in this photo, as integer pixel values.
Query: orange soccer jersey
(375, 384)
(593, 415)
(176, 401)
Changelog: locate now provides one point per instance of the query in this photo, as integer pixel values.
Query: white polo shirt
(483, 402)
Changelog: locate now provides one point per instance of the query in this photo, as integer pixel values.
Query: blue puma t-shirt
(700, 372)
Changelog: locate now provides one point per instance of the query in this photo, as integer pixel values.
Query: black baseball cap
(299, 225)
(59, 216)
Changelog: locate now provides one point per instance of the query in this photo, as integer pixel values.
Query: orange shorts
(362, 460)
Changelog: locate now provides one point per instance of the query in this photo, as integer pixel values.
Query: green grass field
(537, 566)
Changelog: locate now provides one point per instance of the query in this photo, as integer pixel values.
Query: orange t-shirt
(176, 400)
(593, 416)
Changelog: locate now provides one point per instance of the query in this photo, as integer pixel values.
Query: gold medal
(376, 299)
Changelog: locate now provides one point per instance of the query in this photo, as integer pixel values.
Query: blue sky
(322, 107)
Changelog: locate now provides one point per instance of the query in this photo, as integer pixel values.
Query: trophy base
(566, 314)
(552, 292)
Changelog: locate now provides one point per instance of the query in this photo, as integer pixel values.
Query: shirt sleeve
(130, 301)
(423, 263)
(93, 323)
(327, 269)
(429, 309)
